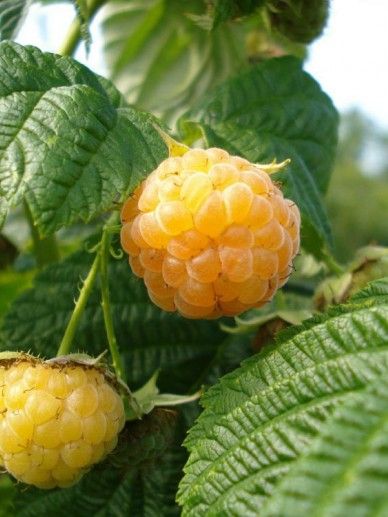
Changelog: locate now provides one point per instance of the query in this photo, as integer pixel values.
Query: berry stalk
(105, 302)
(74, 36)
(67, 340)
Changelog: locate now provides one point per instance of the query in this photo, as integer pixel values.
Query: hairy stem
(46, 248)
(74, 36)
(298, 288)
(106, 308)
(67, 340)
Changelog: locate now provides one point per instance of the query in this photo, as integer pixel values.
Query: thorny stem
(67, 340)
(106, 308)
(333, 265)
(74, 36)
(298, 288)
(100, 265)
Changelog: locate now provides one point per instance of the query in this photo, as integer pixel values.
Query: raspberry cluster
(56, 420)
(211, 234)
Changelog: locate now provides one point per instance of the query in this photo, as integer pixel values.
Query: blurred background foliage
(357, 200)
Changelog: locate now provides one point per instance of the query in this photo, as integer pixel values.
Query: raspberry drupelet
(211, 234)
(56, 421)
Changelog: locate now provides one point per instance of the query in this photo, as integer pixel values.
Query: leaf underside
(161, 60)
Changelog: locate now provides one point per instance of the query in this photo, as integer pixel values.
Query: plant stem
(333, 265)
(65, 346)
(105, 301)
(298, 288)
(46, 249)
(73, 36)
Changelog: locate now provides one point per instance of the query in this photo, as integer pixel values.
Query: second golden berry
(56, 421)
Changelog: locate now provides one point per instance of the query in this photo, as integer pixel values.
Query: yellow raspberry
(211, 234)
(57, 419)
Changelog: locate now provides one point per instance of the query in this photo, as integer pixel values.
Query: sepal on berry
(148, 397)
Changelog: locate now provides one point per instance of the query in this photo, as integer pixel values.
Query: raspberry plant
(204, 160)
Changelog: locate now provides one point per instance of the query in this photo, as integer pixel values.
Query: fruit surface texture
(211, 234)
(56, 420)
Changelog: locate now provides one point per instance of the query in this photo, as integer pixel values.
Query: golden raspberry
(210, 234)
(56, 420)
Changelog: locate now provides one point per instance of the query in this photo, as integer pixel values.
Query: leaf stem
(298, 288)
(105, 302)
(46, 248)
(67, 340)
(74, 36)
(333, 266)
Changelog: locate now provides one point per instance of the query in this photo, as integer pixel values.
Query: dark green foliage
(8, 252)
(275, 110)
(300, 20)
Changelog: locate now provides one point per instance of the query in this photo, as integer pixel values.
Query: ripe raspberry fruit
(56, 419)
(210, 234)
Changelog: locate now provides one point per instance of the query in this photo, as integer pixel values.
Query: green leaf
(345, 471)
(275, 110)
(12, 13)
(149, 338)
(65, 146)
(81, 7)
(138, 479)
(375, 290)
(219, 11)
(260, 418)
(288, 307)
(161, 60)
